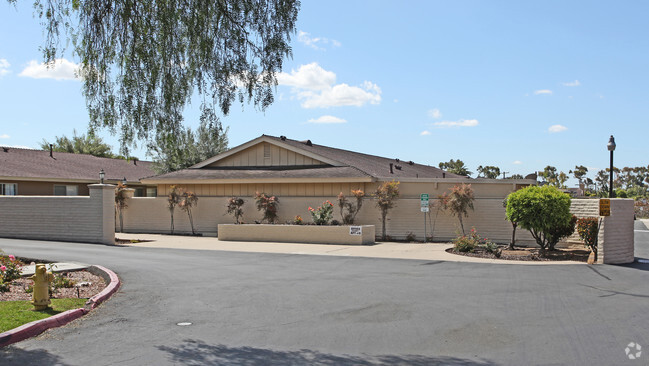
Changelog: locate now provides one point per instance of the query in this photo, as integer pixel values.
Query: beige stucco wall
(277, 156)
(70, 218)
(152, 215)
(297, 234)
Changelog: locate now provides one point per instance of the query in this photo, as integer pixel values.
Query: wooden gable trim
(262, 139)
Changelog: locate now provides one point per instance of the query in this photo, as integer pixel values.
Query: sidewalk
(420, 251)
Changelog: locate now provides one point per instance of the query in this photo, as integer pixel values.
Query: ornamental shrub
(544, 211)
(234, 208)
(268, 205)
(588, 229)
(459, 201)
(323, 214)
(349, 210)
(9, 270)
(386, 196)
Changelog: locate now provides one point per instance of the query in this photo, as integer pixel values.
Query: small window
(66, 190)
(152, 192)
(8, 189)
(139, 192)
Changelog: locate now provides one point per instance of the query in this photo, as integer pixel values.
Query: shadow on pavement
(194, 352)
(639, 263)
(15, 356)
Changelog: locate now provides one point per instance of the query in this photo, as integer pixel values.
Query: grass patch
(16, 313)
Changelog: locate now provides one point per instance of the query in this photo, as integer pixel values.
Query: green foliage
(141, 61)
(61, 280)
(579, 172)
(489, 172)
(323, 214)
(268, 205)
(386, 196)
(85, 144)
(561, 231)
(588, 229)
(10, 269)
(175, 151)
(459, 201)
(234, 208)
(468, 243)
(455, 167)
(544, 211)
(297, 220)
(620, 193)
(515, 176)
(349, 210)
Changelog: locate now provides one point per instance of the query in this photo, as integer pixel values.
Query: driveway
(264, 308)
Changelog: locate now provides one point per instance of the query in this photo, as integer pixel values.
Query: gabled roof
(341, 164)
(27, 164)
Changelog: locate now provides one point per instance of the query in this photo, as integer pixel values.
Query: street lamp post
(611, 148)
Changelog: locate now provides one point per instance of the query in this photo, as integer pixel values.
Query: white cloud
(460, 123)
(557, 128)
(434, 113)
(424, 133)
(60, 69)
(572, 83)
(327, 119)
(4, 136)
(4, 67)
(314, 42)
(517, 162)
(316, 87)
(543, 91)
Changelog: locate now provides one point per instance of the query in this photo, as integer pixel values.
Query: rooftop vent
(411, 162)
(397, 160)
(391, 172)
(283, 138)
(51, 148)
(307, 142)
(397, 167)
(5, 149)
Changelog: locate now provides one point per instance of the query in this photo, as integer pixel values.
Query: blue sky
(516, 84)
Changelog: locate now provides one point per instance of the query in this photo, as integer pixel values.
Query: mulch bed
(90, 285)
(572, 253)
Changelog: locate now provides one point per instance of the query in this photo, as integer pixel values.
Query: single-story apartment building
(28, 172)
(303, 174)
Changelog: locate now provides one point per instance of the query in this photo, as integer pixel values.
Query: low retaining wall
(88, 219)
(314, 234)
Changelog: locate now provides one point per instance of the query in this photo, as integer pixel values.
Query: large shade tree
(455, 167)
(141, 61)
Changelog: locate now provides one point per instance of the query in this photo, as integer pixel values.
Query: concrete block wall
(151, 215)
(616, 236)
(87, 219)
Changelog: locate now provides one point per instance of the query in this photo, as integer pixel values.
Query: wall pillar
(102, 197)
(616, 237)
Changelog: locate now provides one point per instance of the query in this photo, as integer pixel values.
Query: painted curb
(39, 326)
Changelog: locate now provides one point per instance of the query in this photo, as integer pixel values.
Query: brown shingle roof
(37, 164)
(375, 166)
(262, 173)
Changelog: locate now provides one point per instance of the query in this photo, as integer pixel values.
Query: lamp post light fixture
(102, 175)
(611, 148)
(124, 181)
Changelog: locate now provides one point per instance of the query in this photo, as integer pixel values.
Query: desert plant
(588, 229)
(544, 211)
(172, 201)
(349, 210)
(459, 201)
(187, 201)
(121, 199)
(234, 208)
(386, 196)
(323, 214)
(268, 205)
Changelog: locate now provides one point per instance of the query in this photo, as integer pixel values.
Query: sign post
(423, 203)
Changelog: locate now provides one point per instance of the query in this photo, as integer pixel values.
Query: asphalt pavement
(292, 309)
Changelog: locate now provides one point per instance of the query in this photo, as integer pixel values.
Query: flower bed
(310, 234)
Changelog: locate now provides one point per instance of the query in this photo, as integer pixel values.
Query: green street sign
(423, 200)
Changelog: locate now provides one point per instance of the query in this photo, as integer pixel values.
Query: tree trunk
(191, 221)
(121, 221)
(172, 221)
(461, 224)
(384, 214)
(513, 242)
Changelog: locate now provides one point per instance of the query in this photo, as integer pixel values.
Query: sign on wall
(604, 207)
(355, 230)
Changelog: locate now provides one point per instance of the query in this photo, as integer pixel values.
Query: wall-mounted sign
(604, 207)
(355, 230)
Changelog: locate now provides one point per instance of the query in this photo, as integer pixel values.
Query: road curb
(39, 326)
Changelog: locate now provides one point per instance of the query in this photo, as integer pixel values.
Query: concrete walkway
(28, 270)
(429, 251)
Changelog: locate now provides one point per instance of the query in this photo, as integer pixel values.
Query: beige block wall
(151, 215)
(80, 219)
(297, 234)
(616, 236)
